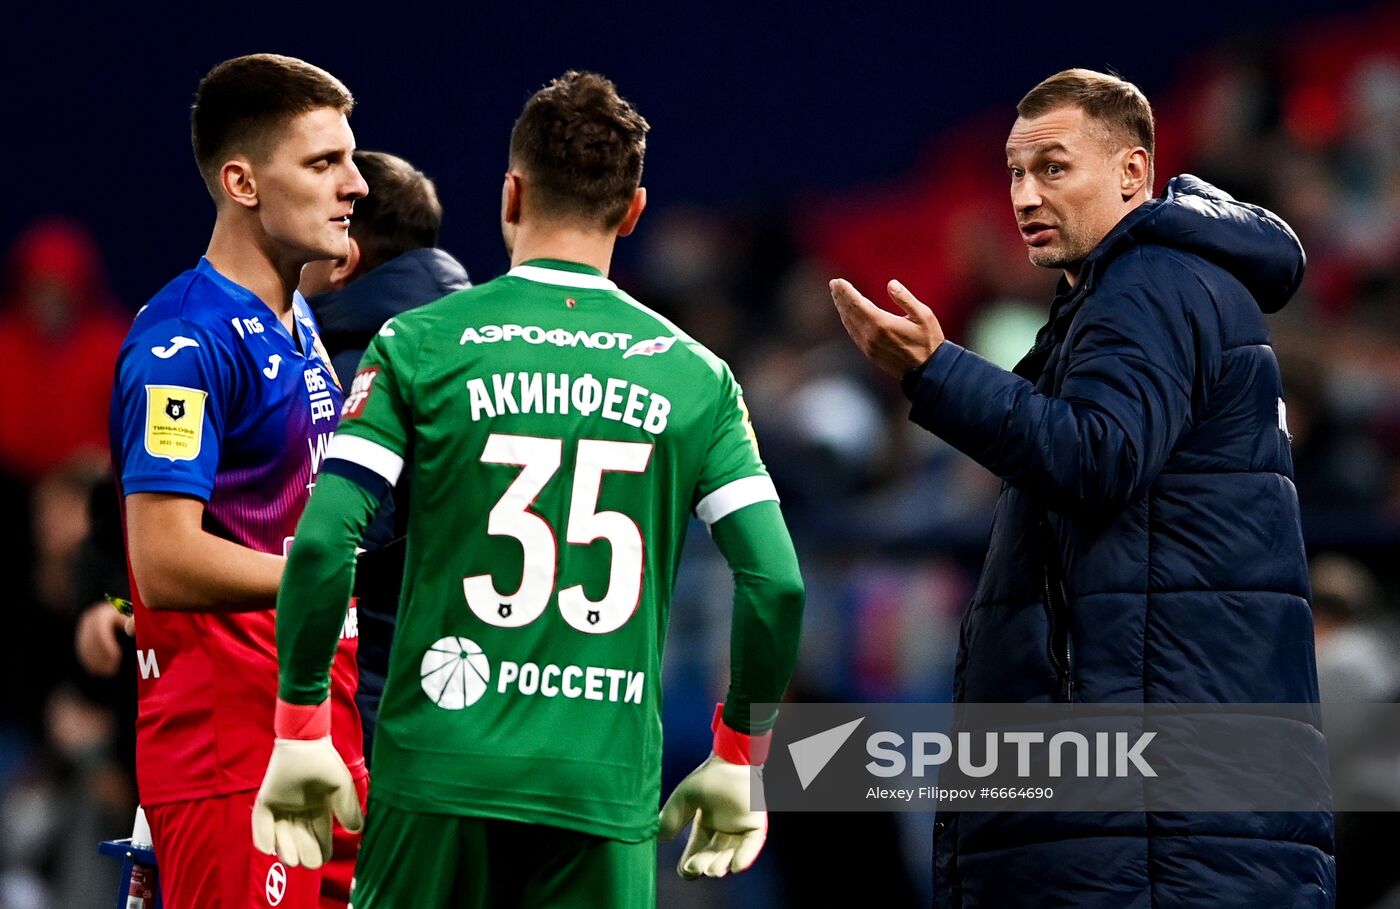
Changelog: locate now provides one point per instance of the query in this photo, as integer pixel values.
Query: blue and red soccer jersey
(215, 399)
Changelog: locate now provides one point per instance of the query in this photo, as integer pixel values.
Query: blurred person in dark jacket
(393, 265)
(1146, 546)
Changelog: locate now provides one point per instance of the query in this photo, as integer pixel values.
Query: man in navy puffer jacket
(394, 266)
(1146, 547)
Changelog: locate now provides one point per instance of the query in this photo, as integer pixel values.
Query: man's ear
(634, 212)
(511, 192)
(238, 183)
(346, 269)
(1135, 173)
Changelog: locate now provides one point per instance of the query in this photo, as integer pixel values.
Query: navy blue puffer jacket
(1148, 476)
(349, 319)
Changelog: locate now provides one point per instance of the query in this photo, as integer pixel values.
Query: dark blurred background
(790, 143)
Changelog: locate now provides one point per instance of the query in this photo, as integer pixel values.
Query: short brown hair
(1117, 104)
(401, 212)
(242, 101)
(581, 145)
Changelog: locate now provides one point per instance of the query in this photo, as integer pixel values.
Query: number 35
(539, 459)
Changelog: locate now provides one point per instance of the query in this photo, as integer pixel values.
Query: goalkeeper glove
(728, 834)
(306, 781)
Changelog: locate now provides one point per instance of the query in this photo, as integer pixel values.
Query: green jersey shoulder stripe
(367, 453)
(731, 497)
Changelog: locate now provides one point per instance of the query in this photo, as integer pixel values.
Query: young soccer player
(224, 403)
(559, 435)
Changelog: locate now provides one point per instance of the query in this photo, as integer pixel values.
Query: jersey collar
(562, 274)
(302, 323)
(230, 286)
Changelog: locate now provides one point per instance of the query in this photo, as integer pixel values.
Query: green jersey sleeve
(316, 584)
(376, 420)
(736, 498)
(768, 602)
(733, 475)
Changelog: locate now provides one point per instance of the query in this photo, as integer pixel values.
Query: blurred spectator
(66, 779)
(43, 608)
(63, 783)
(1358, 660)
(59, 335)
(1358, 643)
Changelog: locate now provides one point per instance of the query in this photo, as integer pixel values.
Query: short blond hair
(1116, 104)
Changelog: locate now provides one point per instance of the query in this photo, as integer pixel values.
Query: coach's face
(1069, 185)
(307, 185)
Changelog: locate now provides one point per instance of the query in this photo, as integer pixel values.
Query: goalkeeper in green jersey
(559, 435)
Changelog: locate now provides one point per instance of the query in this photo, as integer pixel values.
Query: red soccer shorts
(207, 860)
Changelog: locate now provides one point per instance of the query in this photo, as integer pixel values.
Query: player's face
(1065, 186)
(308, 185)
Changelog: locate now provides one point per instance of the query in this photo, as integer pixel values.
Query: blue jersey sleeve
(171, 398)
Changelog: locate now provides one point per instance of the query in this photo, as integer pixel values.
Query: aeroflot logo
(559, 337)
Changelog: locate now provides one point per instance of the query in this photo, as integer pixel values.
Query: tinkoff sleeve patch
(174, 422)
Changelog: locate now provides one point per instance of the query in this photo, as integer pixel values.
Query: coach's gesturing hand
(894, 343)
(306, 781)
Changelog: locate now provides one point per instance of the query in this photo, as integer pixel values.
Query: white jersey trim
(367, 454)
(560, 277)
(730, 497)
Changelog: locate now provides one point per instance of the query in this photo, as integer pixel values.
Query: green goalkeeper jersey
(559, 435)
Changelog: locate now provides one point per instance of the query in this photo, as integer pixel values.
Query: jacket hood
(417, 277)
(1251, 243)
